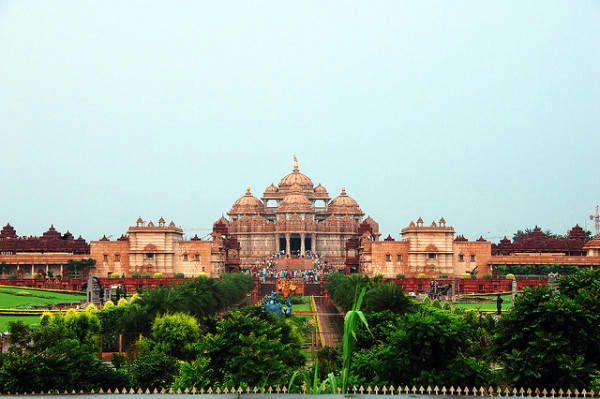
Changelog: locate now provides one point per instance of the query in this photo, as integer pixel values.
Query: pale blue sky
(484, 112)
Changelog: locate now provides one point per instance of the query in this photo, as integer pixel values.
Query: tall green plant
(351, 320)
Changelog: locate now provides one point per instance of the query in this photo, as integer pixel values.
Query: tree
(175, 335)
(248, 347)
(427, 347)
(151, 368)
(387, 296)
(76, 267)
(342, 288)
(550, 339)
(3, 268)
(61, 354)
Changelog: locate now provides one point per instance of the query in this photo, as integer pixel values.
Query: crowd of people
(269, 270)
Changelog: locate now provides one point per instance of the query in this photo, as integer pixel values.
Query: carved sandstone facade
(150, 248)
(295, 219)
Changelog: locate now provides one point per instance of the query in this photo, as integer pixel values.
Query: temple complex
(295, 221)
(294, 225)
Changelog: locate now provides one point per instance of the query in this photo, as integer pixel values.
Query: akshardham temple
(295, 220)
(295, 225)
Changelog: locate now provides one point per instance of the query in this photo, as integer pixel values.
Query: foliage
(201, 297)
(175, 335)
(341, 288)
(108, 304)
(77, 267)
(58, 354)
(387, 296)
(351, 320)
(151, 368)
(248, 347)
(551, 339)
(536, 270)
(431, 346)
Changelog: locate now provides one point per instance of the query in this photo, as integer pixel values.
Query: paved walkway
(330, 321)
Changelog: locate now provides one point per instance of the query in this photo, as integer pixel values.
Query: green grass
(29, 320)
(31, 298)
(489, 305)
(303, 307)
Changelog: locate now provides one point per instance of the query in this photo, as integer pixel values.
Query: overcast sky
(484, 112)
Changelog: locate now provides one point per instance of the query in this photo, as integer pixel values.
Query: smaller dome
(343, 203)
(321, 190)
(296, 201)
(247, 204)
(272, 189)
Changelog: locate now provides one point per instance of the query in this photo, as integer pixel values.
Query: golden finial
(248, 190)
(295, 162)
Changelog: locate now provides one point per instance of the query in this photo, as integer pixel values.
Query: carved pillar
(287, 244)
(313, 243)
(302, 245)
(277, 246)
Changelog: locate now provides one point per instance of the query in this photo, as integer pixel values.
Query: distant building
(428, 250)
(27, 256)
(150, 248)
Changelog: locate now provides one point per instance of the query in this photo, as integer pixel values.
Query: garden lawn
(29, 320)
(31, 298)
(485, 306)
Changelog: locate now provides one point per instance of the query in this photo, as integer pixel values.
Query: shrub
(510, 276)
(109, 304)
(115, 275)
(399, 275)
(443, 275)
(465, 276)
(157, 275)
(118, 360)
(421, 275)
(136, 275)
(179, 275)
(487, 276)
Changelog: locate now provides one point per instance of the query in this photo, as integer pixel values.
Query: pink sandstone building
(297, 225)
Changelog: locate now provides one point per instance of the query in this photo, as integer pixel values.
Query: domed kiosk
(294, 219)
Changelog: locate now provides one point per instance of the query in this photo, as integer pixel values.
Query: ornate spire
(295, 163)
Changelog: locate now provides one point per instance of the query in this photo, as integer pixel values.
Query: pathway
(331, 322)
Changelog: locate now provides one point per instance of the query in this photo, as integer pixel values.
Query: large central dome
(296, 177)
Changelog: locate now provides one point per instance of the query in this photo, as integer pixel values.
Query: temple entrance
(295, 243)
(307, 244)
(282, 244)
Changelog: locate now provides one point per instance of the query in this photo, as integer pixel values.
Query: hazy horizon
(484, 113)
